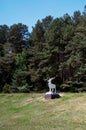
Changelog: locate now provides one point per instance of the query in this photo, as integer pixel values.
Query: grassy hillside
(33, 112)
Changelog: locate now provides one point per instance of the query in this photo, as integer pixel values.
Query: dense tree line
(55, 47)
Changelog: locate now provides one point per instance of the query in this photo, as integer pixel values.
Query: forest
(55, 47)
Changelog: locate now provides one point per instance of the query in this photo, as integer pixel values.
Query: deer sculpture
(52, 87)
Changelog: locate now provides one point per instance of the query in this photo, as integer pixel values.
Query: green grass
(33, 112)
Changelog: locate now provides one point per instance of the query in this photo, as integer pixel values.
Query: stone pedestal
(51, 95)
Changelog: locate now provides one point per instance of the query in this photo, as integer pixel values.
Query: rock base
(51, 95)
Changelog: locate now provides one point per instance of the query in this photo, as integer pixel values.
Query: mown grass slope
(33, 112)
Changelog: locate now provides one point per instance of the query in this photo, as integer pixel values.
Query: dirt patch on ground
(37, 99)
(26, 102)
(30, 100)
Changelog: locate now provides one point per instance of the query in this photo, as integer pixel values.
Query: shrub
(79, 86)
(6, 88)
(64, 87)
(73, 86)
(25, 88)
(68, 86)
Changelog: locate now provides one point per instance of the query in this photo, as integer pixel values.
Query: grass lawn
(33, 112)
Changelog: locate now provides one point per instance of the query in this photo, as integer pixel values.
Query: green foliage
(21, 61)
(46, 22)
(25, 88)
(21, 76)
(18, 35)
(3, 33)
(6, 88)
(1, 50)
(37, 33)
(79, 86)
(73, 86)
(55, 47)
(6, 70)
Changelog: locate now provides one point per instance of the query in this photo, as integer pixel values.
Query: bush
(79, 86)
(73, 86)
(6, 88)
(25, 88)
(65, 87)
(68, 87)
